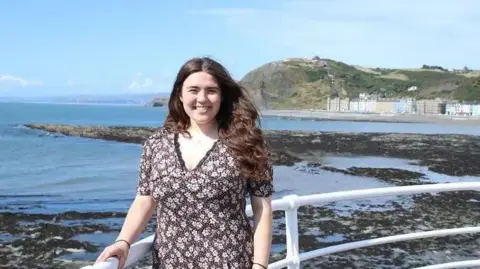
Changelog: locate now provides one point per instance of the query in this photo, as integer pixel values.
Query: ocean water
(48, 173)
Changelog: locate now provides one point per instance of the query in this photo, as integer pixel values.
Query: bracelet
(121, 240)
(263, 266)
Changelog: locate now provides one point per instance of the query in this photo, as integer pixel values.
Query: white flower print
(201, 220)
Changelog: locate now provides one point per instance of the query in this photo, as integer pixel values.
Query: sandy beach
(372, 117)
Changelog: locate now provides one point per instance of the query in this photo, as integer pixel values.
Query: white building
(337, 104)
(466, 109)
(461, 109)
(406, 106)
(451, 109)
(363, 105)
(354, 105)
(476, 109)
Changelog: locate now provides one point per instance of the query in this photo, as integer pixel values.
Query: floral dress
(201, 219)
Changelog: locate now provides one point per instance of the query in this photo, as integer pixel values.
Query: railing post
(291, 224)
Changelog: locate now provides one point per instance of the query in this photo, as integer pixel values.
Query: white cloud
(141, 82)
(158, 82)
(13, 81)
(70, 83)
(367, 31)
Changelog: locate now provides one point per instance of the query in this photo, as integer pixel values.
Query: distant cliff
(158, 102)
(306, 83)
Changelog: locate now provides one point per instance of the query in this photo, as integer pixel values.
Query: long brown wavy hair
(238, 118)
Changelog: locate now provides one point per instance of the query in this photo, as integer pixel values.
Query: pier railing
(290, 204)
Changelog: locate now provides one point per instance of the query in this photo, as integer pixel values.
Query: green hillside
(306, 83)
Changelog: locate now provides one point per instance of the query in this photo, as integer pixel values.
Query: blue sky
(56, 47)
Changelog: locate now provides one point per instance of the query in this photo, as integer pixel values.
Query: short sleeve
(262, 187)
(144, 176)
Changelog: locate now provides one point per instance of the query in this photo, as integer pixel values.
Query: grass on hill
(300, 83)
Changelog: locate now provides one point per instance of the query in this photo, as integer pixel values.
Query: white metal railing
(290, 205)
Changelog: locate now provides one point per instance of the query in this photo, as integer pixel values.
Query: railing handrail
(138, 250)
(385, 240)
(291, 203)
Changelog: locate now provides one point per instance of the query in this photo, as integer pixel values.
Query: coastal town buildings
(466, 109)
(428, 106)
(463, 108)
(366, 104)
(386, 106)
(476, 109)
(337, 104)
(354, 105)
(403, 106)
(363, 105)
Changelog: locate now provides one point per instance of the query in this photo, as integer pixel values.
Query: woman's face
(201, 97)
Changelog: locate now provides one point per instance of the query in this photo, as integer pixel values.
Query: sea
(49, 173)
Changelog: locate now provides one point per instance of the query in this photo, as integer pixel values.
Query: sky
(57, 47)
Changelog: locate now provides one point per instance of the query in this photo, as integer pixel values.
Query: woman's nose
(202, 96)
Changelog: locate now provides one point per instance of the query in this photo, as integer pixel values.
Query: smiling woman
(196, 172)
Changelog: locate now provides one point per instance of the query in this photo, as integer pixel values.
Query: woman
(196, 171)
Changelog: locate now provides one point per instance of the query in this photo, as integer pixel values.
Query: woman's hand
(118, 249)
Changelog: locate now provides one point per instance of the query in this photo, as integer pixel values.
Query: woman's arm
(137, 218)
(143, 205)
(262, 212)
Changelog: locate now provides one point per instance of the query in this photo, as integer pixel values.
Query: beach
(358, 160)
(372, 117)
(59, 209)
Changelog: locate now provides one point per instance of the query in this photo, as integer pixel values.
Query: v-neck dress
(201, 219)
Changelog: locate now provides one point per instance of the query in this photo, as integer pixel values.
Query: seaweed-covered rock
(399, 177)
(456, 155)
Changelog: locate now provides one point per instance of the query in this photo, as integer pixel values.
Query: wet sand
(373, 117)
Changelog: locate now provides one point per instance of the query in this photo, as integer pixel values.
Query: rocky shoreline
(38, 240)
(454, 155)
(44, 237)
(394, 176)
